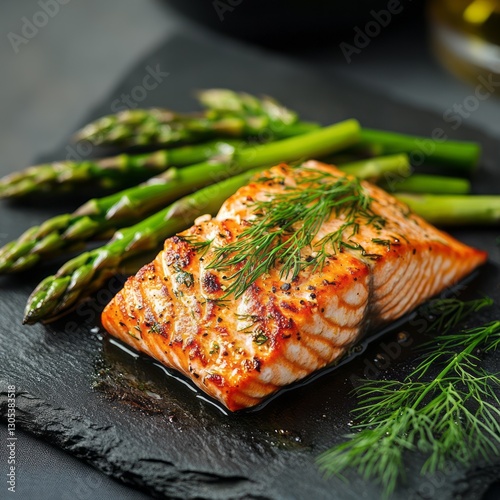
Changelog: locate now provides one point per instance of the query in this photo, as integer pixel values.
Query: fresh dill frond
(252, 320)
(287, 223)
(445, 314)
(199, 245)
(379, 241)
(219, 302)
(452, 415)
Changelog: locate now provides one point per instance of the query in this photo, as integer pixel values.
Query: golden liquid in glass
(466, 36)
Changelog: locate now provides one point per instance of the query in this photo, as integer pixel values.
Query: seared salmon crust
(240, 350)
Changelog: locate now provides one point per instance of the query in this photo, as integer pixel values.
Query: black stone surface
(122, 414)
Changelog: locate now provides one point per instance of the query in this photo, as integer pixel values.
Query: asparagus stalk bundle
(261, 116)
(83, 275)
(110, 173)
(237, 114)
(69, 231)
(64, 232)
(86, 273)
(226, 101)
(244, 116)
(227, 115)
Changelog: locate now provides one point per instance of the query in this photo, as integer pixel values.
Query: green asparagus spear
(69, 231)
(237, 114)
(455, 210)
(226, 101)
(110, 173)
(430, 184)
(117, 210)
(282, 122)
(232, 114)
(461, 157)
(376, 169)
(157, 126)
(85, 274)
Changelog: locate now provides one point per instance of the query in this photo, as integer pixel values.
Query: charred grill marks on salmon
(294, 269)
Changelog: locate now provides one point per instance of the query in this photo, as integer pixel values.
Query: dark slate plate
(124, 415)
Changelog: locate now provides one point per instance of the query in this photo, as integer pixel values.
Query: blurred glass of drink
(466, 36)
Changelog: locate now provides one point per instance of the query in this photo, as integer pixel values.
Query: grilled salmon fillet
(241, 349)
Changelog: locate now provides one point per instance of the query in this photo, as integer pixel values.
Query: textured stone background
(70, 64)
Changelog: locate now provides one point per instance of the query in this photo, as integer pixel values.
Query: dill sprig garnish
(200, 246)
(454, 414)
(287, 223)
(448, 313)
(251, 321)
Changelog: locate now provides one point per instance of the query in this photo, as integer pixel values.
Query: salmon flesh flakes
(296, 267)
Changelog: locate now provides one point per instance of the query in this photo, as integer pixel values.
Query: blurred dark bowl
(289, 23)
